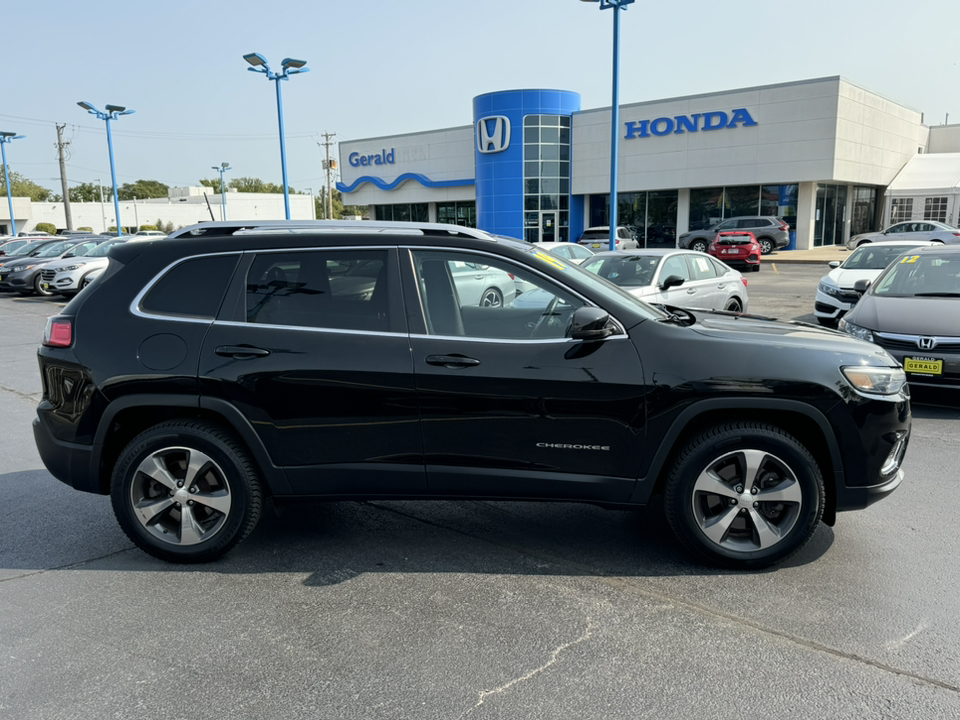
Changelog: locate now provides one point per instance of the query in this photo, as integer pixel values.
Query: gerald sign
(680, 124)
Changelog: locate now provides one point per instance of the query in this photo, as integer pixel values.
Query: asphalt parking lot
(473, 609)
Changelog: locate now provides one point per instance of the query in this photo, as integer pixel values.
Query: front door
(548, 227)
(510, 407)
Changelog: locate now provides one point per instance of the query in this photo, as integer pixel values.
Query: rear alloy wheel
(491, 298)
(186, 491)
(744, 495)
(766, 246)
(733, 305)
(699, 246)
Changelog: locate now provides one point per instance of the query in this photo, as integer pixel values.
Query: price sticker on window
(909, 259)
(548, 258)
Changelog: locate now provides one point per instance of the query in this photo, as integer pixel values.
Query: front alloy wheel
(186, 491)
(699, 246)
(744, 495)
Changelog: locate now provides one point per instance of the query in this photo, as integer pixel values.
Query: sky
(387, 67)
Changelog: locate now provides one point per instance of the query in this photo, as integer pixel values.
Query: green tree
(21, 187)
(142, 189)
(254, 185)
(339, 209)
(89, 192)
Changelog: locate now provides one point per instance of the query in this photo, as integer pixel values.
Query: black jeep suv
(200, 375)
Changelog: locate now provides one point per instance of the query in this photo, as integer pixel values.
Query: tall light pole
(616, 6)
(258, 63)
(112, 113)
(103, 214)
(6, 137)
(222, 168)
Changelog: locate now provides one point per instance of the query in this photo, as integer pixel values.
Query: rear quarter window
(193, 288)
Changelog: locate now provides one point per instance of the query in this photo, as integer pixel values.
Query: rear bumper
(70, 463)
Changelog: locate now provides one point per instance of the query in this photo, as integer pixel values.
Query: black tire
(38, 287)
(723, 517)
(491, 297)
(153, 483)
(699, 245)
(767, 245)
(733, 305)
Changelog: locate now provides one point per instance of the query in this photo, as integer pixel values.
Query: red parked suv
(738, 249)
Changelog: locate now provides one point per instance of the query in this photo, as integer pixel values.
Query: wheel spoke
(752, 460)
(190, 531)
(716, 528)
(155, 468)
(767, 534)
(788, 491)
(219, 501)
(196, 463)
(150, 510)
(711, 483)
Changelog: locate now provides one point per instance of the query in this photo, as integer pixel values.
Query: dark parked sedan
(913, 311)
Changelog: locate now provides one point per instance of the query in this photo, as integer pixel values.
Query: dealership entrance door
(548, 227)
(831, 209)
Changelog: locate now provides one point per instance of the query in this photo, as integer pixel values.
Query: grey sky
(382, 67)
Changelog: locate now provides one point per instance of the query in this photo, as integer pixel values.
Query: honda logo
(926, 343)
(493, 134)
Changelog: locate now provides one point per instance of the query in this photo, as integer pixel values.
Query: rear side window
(193, 288)
(339, 289)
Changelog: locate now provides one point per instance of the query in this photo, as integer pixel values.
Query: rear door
(314, 353)
(510, 406)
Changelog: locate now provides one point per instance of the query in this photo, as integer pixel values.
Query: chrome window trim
(310, 328)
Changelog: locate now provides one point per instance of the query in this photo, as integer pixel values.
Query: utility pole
(61, 148)
(329, 165)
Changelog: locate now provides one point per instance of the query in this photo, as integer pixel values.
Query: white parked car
(573, 252)
(598, 238)
(836, 294)
(924, 230)
(70, 275)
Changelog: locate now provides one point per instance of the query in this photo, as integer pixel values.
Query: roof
(930, 173)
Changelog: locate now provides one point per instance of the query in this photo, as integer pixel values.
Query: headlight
(876, 380)
(69, 268)
(855, 330)
(829, 290)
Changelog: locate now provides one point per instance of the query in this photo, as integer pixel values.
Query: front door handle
(691, 291)
(452, 361)
(241, 352)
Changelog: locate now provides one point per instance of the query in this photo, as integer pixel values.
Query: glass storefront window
(416, 212)
(546, 177)
(864, 211)
(743, 201)
(707, 206)
(651, 215)
(458, 213)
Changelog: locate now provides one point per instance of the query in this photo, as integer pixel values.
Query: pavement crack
(554, 656)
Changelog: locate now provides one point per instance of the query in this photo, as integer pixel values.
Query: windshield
(612, 296)
(24, 250)
(102, 249)
(921, 276)
(875, 256)
(55, 249)
(624, 271)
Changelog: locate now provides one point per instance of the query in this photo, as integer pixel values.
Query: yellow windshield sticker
(548, 258)
(909, 259)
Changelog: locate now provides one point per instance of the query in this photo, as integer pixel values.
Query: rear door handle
(452, 361)
(241, 352)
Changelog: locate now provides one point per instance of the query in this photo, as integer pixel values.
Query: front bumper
(831, 307)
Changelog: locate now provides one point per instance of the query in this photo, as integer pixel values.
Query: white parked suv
(69, 276)
(924, 230)
(836, 294)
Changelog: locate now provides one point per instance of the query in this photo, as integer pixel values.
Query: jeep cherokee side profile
(201, 375)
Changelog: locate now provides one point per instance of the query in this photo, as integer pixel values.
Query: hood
(66, 262)
(846, 279)
(20, 264)
(908, 315)
(787, 335)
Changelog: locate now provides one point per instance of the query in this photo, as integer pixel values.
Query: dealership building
(824, 154)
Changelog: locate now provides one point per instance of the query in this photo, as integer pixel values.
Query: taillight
(743, 280)
(784, 226)
(58, 332)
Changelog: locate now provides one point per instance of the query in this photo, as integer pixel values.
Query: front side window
(674, 265)
(467, 295)
(336, 289)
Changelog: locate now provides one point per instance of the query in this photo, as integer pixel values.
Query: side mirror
(834, 264)
(590, 323)
(861, 286)
(671, 281)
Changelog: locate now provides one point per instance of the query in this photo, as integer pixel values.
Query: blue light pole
(112, 113)
(6, 137)
(616, 6)
(290, 67)
(222, 168)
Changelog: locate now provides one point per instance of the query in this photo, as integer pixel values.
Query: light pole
(616, 6)
(112, 113)
(222, 168)
(258, 63)
(103, 214)
(6, 137)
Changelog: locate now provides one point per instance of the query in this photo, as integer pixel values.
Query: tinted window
(701, 268)
(341, 289)
(193, 288)
(624, 271)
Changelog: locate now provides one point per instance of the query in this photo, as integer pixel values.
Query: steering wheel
(546, 317)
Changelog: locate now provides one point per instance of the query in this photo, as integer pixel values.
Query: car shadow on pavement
(57, 527)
